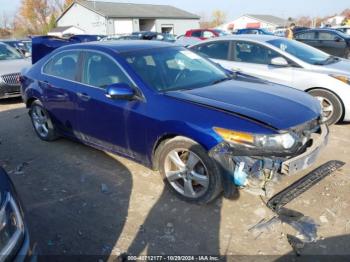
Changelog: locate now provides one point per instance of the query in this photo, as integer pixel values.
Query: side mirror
(120, 91)
(279, 61)
(337, 39)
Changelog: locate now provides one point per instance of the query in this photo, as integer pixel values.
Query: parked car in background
(15, 244)
(86, 38)
(289, 63)
(172, 110)
(11, 64)
(253, 31)
(120, 37)
(19, 45)
(204, 34)
(330, 41)
(300, 28)
(142, 36)
(281, 32)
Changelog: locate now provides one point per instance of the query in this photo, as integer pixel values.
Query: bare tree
(218, 18)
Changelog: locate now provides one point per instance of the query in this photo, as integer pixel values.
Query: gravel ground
(82, 201)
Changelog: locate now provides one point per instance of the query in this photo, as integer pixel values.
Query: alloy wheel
(40, 121)
(186, 173)
(327, 107)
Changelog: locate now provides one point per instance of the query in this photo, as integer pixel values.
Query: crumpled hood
(278, 106)
(13, 66)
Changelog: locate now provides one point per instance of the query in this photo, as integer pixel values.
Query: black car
(15, 243)
(330, 41)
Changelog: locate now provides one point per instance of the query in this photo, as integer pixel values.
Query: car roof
(323, 30)
(125, 45)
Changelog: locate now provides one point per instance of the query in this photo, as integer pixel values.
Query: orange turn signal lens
(234, 136)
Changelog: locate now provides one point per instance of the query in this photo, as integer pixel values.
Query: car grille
(11, 79)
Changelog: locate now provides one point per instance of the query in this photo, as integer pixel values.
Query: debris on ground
(19, 169)
(104, 188)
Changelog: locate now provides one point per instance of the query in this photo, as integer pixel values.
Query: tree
(346, 13)
(304, 21)
(218, 18)
(67, 3)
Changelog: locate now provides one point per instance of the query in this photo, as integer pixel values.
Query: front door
(102, 120)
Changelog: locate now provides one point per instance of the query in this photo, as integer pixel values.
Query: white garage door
(123, 26)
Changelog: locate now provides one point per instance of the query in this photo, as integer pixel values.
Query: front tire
(189, 172)
(42, 123)
(332, 107)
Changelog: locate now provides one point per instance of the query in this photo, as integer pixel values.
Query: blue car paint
(133, 128)
(261, 31)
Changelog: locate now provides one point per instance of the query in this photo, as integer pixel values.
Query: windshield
(8, 53)
(174, 69)
(302, 51)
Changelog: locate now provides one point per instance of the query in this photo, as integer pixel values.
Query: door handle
(83, 96)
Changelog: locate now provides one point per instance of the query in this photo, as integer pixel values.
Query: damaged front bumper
(256, 173)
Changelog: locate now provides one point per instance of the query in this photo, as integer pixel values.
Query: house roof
(130, 10)
(269, 19)
(60, 29)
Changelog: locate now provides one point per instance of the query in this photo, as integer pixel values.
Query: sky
(235, 8)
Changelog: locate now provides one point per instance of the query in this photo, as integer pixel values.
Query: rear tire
(331, 105)
(189, 172)
(42, 123)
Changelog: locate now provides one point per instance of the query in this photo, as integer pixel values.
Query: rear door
(59, 85)
(255, 59)
(309, 38)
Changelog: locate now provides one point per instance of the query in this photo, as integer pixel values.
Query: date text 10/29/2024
(203, 258)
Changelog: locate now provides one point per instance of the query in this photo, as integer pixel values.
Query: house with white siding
(110, 18)
(255, 21)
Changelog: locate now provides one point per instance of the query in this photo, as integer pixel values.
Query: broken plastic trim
(300, 186)
(304, 225)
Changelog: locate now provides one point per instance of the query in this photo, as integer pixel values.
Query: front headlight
(11, 226)
(277, 142)
(344, 79)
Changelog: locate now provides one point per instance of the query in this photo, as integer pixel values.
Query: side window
(63, 65)
(306, 36)
(196, 34)
(326, 36)
(215, 50)
(208, 34)
(247, 52)
(101, 71)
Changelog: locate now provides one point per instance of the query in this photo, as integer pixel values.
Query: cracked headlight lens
(268, 142)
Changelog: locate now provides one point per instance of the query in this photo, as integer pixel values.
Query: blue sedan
(205, 129)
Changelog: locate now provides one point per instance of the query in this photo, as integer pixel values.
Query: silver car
(11, 64)
(289, 63)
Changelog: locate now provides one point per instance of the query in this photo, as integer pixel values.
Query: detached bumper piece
(300, 186)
